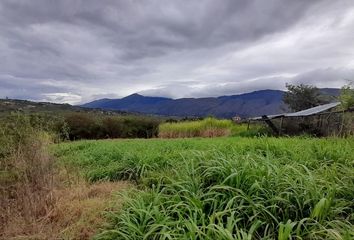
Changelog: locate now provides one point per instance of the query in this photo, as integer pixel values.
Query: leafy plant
(347, 96)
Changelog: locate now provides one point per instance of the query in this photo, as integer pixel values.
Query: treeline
(75, 126)
(89, 126)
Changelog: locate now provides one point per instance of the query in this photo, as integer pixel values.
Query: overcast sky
(78, 50)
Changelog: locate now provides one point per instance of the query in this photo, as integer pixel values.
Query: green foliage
(79, 125)
(225, 188)
(91, 126)
(347, 97)
(254, 130)
(300, 97)
(73, 122)
(16, 129)
(8, 106)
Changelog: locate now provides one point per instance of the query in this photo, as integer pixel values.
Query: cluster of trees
(300, 97)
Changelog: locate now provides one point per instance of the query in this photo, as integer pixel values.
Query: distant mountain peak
(134, 95)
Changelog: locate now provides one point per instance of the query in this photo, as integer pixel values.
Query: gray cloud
(78, 50)
(323, 78)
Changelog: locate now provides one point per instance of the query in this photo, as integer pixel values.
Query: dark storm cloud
(144, 29)
(75, 50)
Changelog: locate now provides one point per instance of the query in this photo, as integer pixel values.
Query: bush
(78, 125)
(90, 126)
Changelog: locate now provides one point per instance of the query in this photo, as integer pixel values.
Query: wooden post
(270, 124)
(281, 126)
(319, 121)
(248, 125)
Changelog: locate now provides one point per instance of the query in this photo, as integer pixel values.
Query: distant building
(236, 119)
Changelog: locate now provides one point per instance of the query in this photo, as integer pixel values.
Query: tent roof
(303, 113)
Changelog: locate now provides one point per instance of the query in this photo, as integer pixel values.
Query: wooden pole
(281, 126)
(270, 124)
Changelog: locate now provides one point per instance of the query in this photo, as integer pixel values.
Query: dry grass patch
(77, 213)
(40, 198)
(208, 127)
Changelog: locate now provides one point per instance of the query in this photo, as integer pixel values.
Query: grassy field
(224, 188)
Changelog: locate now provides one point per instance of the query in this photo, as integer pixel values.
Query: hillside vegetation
(24, 106)
(224, 188)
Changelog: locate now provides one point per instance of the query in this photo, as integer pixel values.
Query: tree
(300, 97)
(347, 96)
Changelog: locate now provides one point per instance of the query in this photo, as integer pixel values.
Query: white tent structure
(303, 113)
(322, 109)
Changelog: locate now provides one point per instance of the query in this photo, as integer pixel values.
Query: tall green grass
(209, 127)
(225, 188)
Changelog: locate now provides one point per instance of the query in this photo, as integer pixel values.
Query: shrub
(90, 126)
(81, 126)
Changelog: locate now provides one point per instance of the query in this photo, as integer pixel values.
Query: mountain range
(263, 102)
